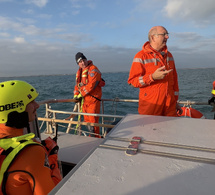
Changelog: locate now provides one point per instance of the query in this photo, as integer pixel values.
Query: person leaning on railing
(88, 90)
(26, 166)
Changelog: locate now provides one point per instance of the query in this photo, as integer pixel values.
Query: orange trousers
(157, 102)
(89, 107)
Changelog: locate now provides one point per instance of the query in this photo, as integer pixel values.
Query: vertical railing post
(79, 119)
(75, 109)
(103, 129)
(48, 124)
(53, 124)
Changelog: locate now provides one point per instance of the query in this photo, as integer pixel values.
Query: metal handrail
(117, 100)
(56, 101)
(192, 102)
(53, 120)
(88, 114)
(50, 122)
(73, 100)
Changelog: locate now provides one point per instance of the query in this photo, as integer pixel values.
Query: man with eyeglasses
(153, 71)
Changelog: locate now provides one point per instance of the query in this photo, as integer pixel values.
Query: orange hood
(9, 132)
(147, 48)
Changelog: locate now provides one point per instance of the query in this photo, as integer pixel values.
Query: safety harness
(9, 149)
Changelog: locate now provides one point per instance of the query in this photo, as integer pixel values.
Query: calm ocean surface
(194, 84)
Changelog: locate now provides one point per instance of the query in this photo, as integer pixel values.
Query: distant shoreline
(103, 73)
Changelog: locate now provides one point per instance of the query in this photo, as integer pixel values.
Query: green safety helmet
(14, 96)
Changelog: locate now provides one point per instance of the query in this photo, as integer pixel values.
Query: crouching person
(26, 166)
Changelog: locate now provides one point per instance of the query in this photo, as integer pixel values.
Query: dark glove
(212, 100)
(78, 97)
(50, 145)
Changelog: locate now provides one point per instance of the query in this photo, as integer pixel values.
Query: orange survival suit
(29, 171)
(155, 97)
(88, 85)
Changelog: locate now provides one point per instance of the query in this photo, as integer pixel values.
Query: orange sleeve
(175, 77)
(176, 87)
(76, 90)
(30, 173)
(55, 170)
(138, 76)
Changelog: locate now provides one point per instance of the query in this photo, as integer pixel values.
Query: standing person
(88, 88)
(153, 71)
(211, 101)
(26, 166)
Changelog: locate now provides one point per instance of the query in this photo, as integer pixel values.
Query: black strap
(94, 97)
(6, 175)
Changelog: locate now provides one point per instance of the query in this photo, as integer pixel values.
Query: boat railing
(51, 120)
(192, 102)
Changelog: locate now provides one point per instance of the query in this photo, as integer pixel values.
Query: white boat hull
(111, 171)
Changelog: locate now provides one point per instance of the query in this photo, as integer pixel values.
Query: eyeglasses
(164, 34)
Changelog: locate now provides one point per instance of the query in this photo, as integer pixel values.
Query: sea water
(194, 84)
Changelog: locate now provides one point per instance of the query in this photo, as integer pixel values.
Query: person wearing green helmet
(212, 99)
(17, 103)
(26, 166)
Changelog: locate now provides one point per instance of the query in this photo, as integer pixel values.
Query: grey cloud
(38, 3)
(45, 59)
(193, 41)
(201, 12)
(25, 26)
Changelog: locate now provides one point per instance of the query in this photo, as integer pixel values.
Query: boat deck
(73, 148)
(176, 157)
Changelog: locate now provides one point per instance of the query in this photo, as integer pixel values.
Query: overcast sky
(42, 36)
